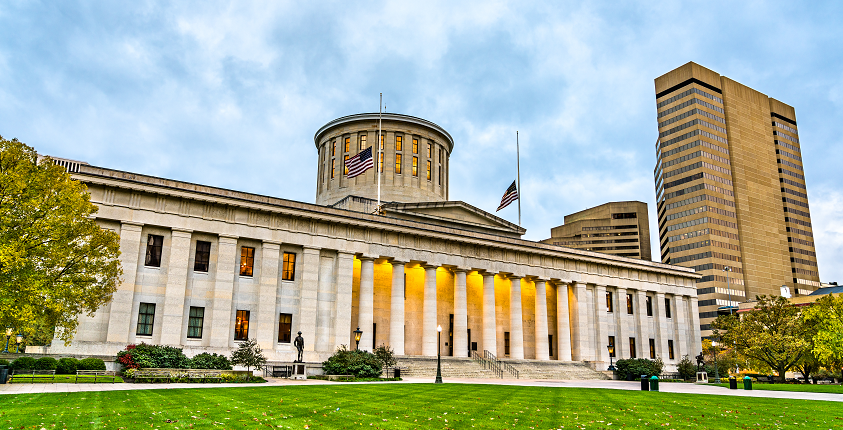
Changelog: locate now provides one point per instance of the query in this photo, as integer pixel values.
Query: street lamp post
(726, 270)
(9, 332)
(19, 339)
(438, 355)
(611, 354)
(716, 368)
(357, 334)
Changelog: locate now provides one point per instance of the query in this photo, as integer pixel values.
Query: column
(120, 316)
(344, 279)
(680, 342)
(325, 298)
(662, 333)
(366, 303)
(221, 333)
(429, 322)
(490, 340)
(621, 328)
(172, 320)
(516, 319)
(563, 324)
(643, 341)
(460, 314)
(542, 348)
(396, 311)
(267, 291)
(695, 341)
(601, 325)
(307, 297)
(579, 322)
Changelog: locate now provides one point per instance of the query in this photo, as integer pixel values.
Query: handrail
(500, 366)
(487, 363)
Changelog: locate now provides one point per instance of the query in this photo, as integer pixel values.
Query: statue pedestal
(702, 378)
(299, 371)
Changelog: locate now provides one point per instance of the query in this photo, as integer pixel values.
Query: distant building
(730, 190)
(616, 228)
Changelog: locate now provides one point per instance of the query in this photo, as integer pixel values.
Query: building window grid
(285, 328)
(345, 165)
(203, 256)
(670, 349)
(629, 308)
(241, 325)
(333, 148)
(415, 146)
(649, 304)
(667, 310)
(380, 162)
(347, 144)
(333, 167)
(288, 272)
(195, 322)
(363, 142)
(632, 352)
(652, 349)
(154, 245)
(428, 170)
(610, 306)
(146, 319)
(415, 166)
(247, 260)
(399, 143)
(398, 163)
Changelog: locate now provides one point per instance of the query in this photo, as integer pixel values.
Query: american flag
(509, 196)
(360, 163)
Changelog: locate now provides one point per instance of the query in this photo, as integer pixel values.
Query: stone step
(459, 367)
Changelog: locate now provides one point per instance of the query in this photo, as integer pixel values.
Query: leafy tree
(687, 369)
(385, 355)
(827, 316)
(772, 333)
(55, 261)
(249, 354)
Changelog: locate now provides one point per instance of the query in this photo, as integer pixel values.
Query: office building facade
(615, 228)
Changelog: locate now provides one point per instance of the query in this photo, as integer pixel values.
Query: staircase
(463, 367)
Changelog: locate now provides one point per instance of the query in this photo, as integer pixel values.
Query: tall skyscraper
(730, 190)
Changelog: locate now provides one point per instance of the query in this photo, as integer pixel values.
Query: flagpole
(378, 142)
(518, 164)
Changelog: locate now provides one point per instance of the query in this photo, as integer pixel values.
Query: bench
(153, 374)
(32, 375)
(284, 371)
(170, 374)
(204, 375)
(102, 374)
(340, 377)
(764, 379)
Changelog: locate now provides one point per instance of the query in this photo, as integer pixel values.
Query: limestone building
(205, 268)
(616, 228)
(730, 189)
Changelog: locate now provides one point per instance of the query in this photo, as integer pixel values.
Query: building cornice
(386, 117)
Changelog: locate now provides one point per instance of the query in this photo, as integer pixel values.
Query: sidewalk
(665, 387)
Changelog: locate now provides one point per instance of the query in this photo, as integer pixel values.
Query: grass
(805, 388)
(409, 406)
(64, 379)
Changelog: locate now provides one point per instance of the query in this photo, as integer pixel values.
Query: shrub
(91, 364)
(210, 361)
(385, 356)
(45, 363)
(249, 354)
(23, 363)
(635, 367)
(686, 368)
(361, 364)
(67, 366)
(155, 356)
(4, 362)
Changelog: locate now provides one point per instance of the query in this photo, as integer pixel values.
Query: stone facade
(397, 275)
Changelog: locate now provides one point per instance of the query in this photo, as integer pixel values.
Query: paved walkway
(666, 387)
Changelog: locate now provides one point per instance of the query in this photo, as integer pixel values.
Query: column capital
(427, 266)
(228, 239)
(130, 225)
(538, 279)
(307, 249)
(600, 285)
(487, 274)
(456, 269)
(270, 245)
(362, 257)
(185, 234)
(398, 261)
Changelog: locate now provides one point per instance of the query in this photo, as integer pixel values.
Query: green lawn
(64, 379)
(410, 406)
(807, 388)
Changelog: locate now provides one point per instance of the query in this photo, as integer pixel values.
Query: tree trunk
(781, 371)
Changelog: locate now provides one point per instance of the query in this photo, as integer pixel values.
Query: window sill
(152, 267)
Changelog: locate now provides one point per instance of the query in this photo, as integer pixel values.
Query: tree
(56, 263)
(772, 333)
(249, 354)
(827, 317)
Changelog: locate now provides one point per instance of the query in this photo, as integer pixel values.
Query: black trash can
(645, 383)
(4, 374)
(396, 373)
(733, 383)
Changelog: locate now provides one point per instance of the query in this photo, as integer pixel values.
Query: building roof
(828, 290)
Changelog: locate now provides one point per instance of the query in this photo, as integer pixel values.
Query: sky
(230, 94)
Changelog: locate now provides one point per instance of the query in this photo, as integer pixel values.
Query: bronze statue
(700, 361)
(299, 344)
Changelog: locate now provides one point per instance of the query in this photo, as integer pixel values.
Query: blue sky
(230, 93)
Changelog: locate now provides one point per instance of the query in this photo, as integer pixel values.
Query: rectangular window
(363, 142)
(428, 170)
(649, 306)
(610, 307)
(440, 174)
(613, 353)
(374, 335)
(333, 148)
(146, 316)
(380, 162)
(347, 145)
(247, 260)
(399, 143)
(241, 326)
(203, 256)
(429, 151)
(629, 304)
(195, 322)
(506, 343)
(667, 311)
(632, 352)
(398, 163)
(415, 166)
(285, 328)
(382, 136)
(333, 167)
(670, 349)
(550, 345)
(154, 243)
(415, 146)
(652, 349)
(345, 165)
(289, 271)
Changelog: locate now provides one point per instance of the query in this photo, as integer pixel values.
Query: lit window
(652, 349)
(670, 349)
(347, 145)
(146, 316)
(629, 304)
(428, 170)
(632, 352)
(415, 166)
(195, 322)
(415, 146)
(362, 142)
(247, 260)
(333, 162)
(429, 151)
(345, 165)
(241, 325)
(153, 250)
(380, 162)
(289, 270)
(399, 143)
(609, 305)
(333, 148)
(382, 142)
(398, 163)
(203, 256)
(285, 328)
